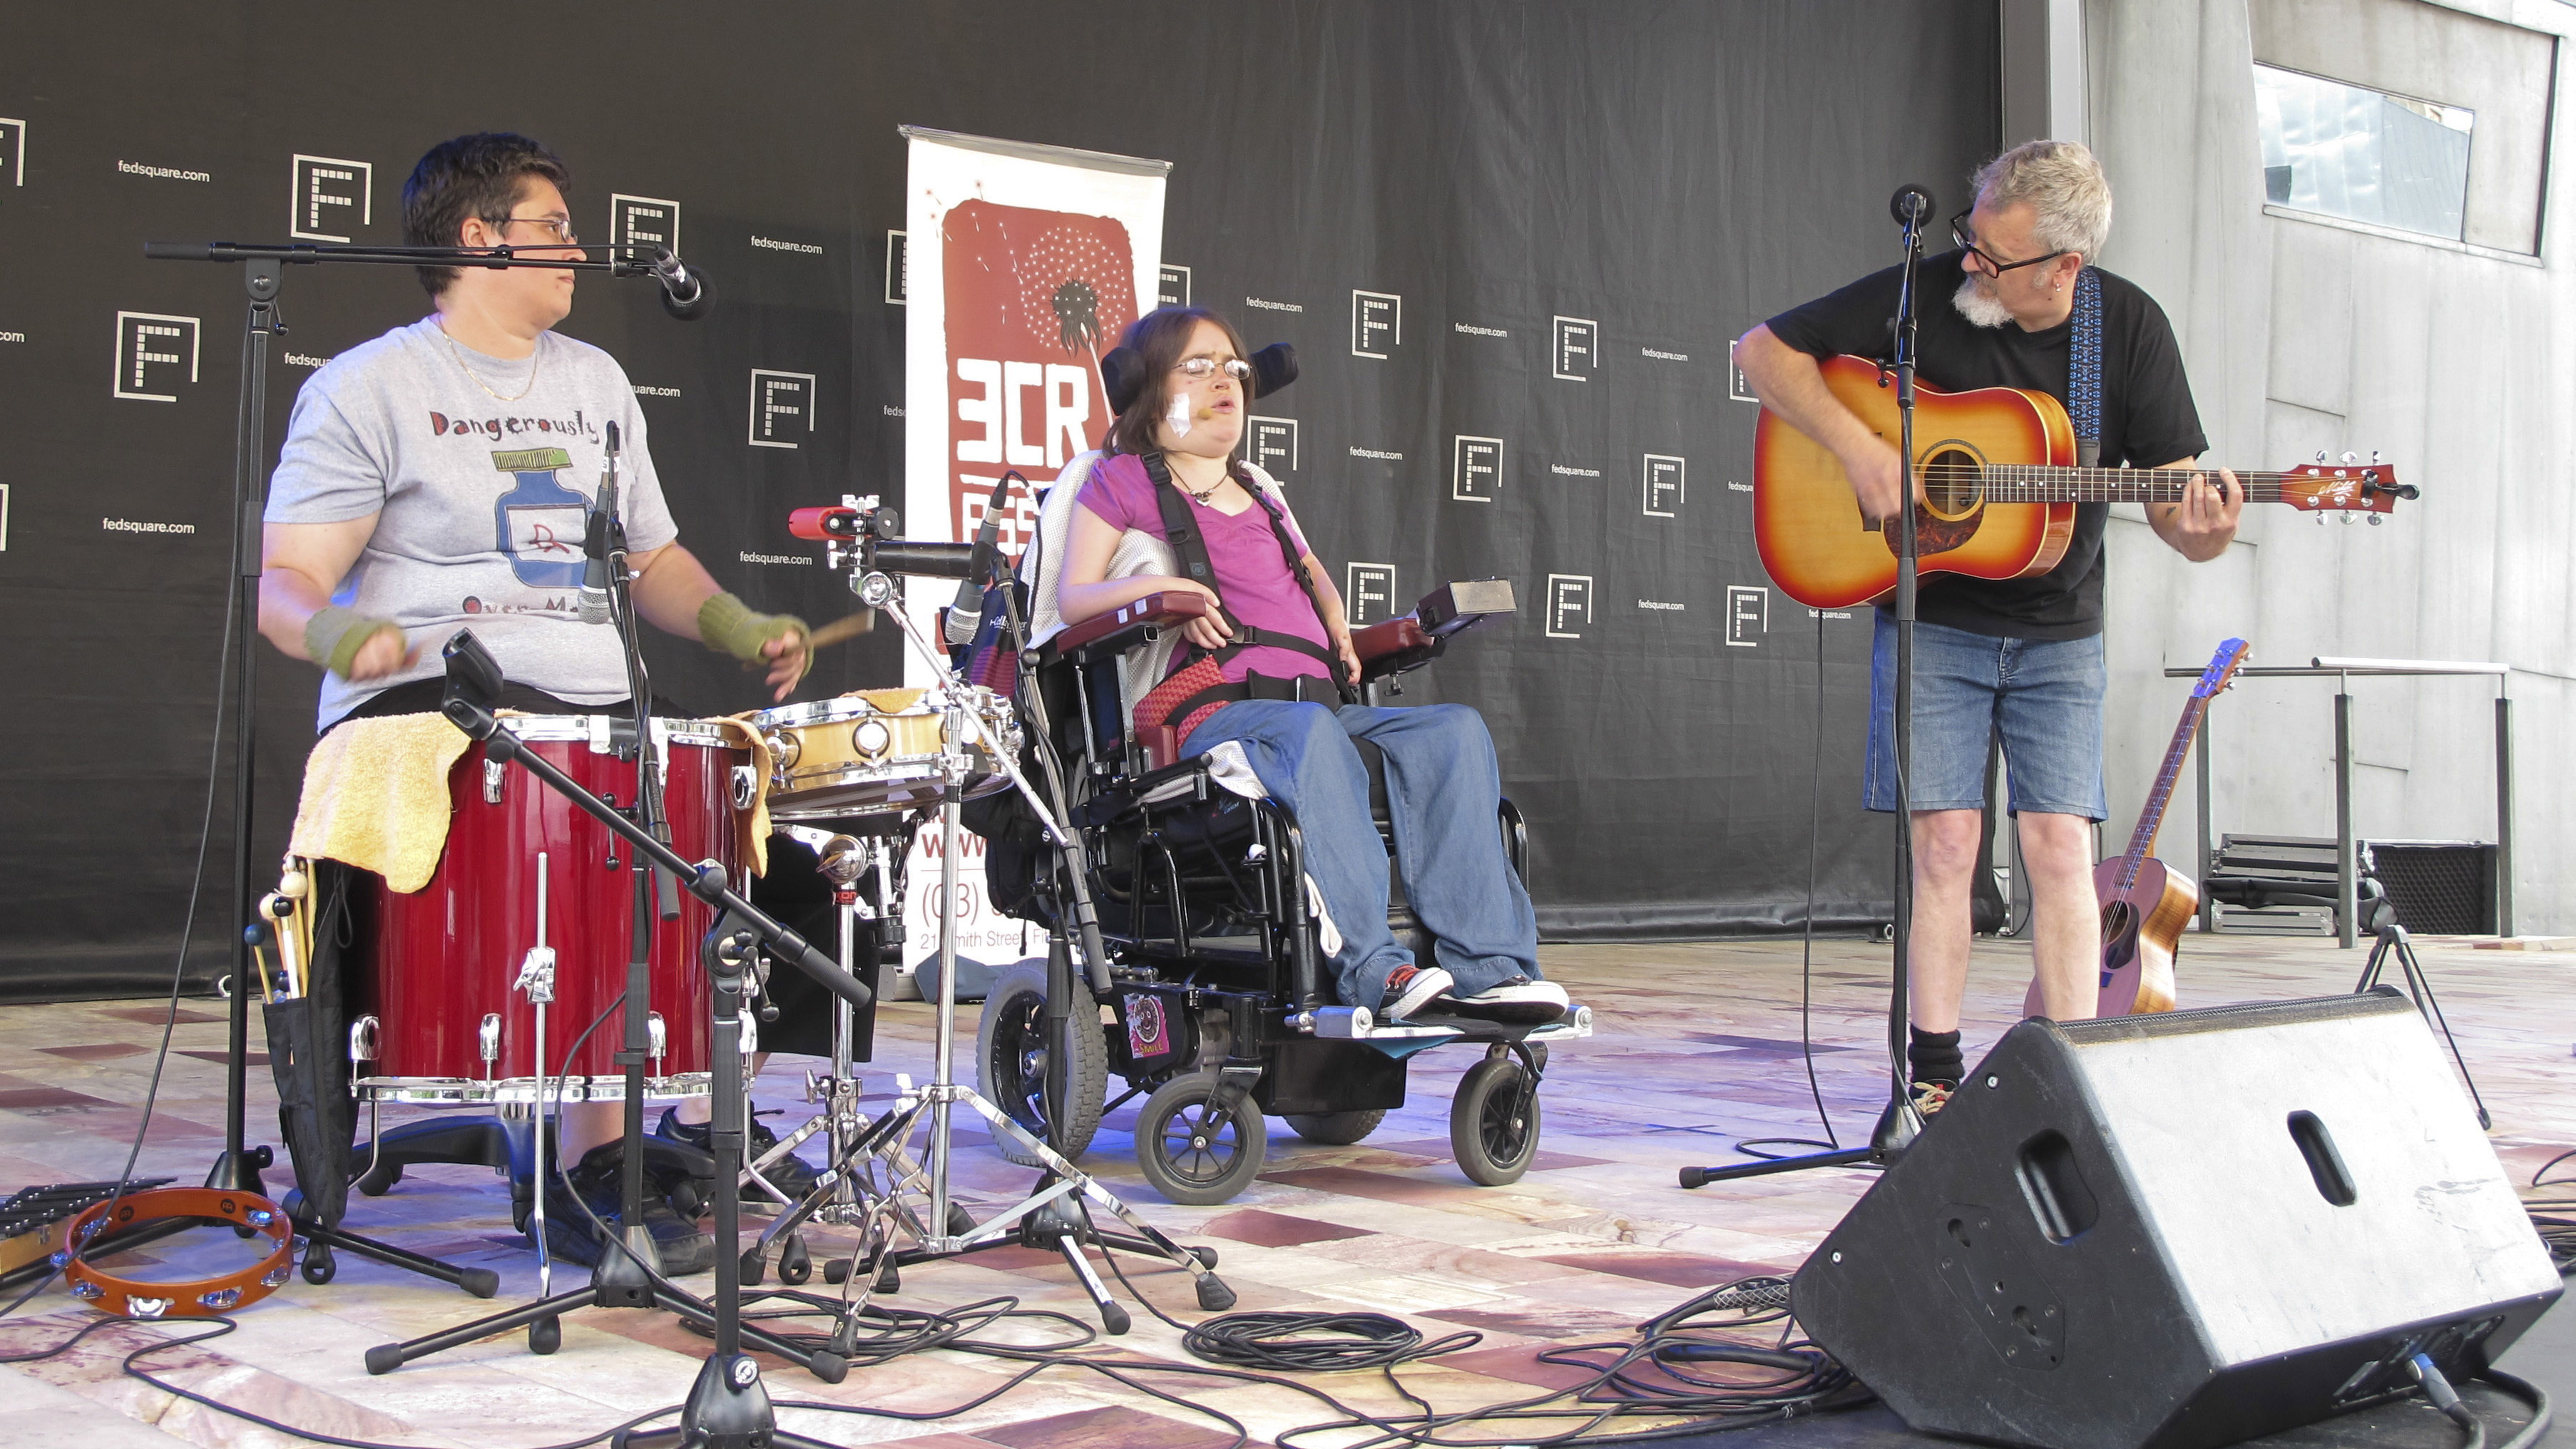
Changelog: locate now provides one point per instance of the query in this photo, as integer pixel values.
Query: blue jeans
(2043, 696)
(1443, 790)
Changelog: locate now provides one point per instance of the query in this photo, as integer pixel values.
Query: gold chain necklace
(533, 359)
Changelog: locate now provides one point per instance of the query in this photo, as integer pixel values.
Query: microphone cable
(1807, 935)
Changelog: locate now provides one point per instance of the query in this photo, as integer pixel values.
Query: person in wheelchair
(1271, 667)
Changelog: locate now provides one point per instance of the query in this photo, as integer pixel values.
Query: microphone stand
(263, 266)
(727, 1405)
(1900, 1123)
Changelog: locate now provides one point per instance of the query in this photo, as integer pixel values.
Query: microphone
(967, 612)
(685, 292)
(1911, 205)
(592, 605)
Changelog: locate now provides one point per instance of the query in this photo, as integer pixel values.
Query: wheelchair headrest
(1122, 374)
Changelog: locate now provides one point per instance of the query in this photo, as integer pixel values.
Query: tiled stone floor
(1698, 1047)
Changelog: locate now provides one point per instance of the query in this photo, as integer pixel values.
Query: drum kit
(534, 939)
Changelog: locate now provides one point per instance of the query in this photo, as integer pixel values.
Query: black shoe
(573, 1235)
(788, 1174)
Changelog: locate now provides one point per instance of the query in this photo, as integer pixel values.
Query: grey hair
(2069, 196)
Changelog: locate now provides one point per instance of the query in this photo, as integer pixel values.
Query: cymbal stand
(1055, 1214)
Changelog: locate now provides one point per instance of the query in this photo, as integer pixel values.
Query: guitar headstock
(2347, 486)
(2222, 668)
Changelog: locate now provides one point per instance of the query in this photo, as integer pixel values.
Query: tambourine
(202, 1299)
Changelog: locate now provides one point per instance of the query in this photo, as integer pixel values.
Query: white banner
(1023, 263)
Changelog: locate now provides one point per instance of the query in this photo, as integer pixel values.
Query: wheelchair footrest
(1358, 1023)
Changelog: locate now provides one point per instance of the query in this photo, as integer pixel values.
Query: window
(2363, 155)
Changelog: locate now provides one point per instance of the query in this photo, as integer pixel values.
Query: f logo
(639, 226)
(1175, 291)
(326, 191)
(1377, 323)
(1370, 594)
(1475, 469)
(1569, 605)
(898, 270)
(1738, 387)
(1748, 615)
(1274, 444)
(782, 407)
(150, 349)
(1578, 349)
(13, 151)
(1663, 484)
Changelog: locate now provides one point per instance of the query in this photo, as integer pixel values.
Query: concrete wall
(2454, 362)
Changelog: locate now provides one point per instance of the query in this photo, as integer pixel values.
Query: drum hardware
(727, 1390)
(537, 980)
(494, 773)
(487, 1040)
(1055, 1214)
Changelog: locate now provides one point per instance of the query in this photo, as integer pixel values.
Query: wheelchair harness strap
(1181, 530)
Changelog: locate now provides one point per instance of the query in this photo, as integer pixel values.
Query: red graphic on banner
(1033, 300)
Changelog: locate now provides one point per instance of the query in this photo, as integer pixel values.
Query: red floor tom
(440, 1011)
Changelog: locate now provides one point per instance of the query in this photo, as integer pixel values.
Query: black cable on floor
(1807, 934)
(1314, 1342)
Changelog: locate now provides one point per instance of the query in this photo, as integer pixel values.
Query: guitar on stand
(2146, 903)
(1999, 490)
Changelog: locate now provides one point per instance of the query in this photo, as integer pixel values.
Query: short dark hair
(1160, 337)
(470, 176)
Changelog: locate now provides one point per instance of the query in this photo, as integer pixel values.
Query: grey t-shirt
(480, 504)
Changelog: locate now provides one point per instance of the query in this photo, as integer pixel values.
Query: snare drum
(862, 754)
(442, 1012)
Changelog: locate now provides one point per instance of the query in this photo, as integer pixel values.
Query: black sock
(1935, 1056)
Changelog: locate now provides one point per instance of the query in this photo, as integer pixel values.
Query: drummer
(437, 477)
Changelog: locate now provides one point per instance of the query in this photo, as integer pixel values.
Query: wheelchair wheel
(1197, 1148)
(1336, 1129)
(1012, 1056)
(1492, 1134)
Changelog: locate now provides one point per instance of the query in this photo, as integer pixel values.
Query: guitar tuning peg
(2349, 458)
(2321, 455)
(2320, 518)
(2347, 520)
(2374, 457)
(2376, 520)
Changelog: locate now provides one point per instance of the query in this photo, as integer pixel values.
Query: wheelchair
(1219, 1011)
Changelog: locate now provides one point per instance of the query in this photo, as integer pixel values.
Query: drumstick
(840, 629)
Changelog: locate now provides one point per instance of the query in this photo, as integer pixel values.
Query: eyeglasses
(1200, 369)
(560, 229)
(1959, 238)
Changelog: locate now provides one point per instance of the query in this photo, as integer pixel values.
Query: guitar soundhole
(1952, 483)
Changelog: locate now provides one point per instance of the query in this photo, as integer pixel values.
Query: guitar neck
(2142, 841)
(2036, 483)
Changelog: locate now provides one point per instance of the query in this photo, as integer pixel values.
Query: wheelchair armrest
(1127, 626)
(1393, 646)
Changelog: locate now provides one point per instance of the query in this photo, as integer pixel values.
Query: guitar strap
(2084, 370)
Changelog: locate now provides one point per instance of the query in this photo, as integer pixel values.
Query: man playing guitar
(2023, 656)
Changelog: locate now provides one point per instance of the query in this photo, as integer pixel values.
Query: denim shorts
(2043, 696)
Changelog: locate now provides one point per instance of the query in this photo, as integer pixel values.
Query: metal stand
(728, 1407)
(2393, 943)
(1056, 1213)
(1899, 1124)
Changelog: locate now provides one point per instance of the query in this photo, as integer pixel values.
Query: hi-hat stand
(1900, 1123)
(263, 277)
(1056, 1212)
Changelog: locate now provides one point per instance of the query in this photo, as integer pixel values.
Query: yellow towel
(375, 796)
(752, 824)
(888, 701)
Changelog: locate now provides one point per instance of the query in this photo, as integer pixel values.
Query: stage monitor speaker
(2176, 1231)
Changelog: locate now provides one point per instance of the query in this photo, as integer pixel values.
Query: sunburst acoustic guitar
(1999, 489)
(2146, 903)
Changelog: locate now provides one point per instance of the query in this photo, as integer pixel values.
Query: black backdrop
(1658, 175)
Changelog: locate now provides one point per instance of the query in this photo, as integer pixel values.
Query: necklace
(1221, 481)
(533, 359)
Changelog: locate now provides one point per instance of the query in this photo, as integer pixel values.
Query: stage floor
(1697, 1048)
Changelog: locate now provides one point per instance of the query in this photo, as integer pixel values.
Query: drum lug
(495, 773)
(362, 1039)
(487, 1040)
(656, 1035)
(746, 786)
(536, 977)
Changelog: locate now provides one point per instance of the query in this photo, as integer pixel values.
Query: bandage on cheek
(1177, 416)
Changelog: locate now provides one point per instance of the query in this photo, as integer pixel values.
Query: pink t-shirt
(1251, 577)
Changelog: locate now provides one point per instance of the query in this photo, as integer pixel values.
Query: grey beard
(1977, 307)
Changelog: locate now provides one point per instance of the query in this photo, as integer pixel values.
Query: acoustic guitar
(2146, 903)
(1999, 489)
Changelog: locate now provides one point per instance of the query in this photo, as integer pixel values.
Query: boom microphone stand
(263, 276)
(1900, 1124)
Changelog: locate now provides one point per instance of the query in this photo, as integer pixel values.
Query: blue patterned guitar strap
(2084, 370)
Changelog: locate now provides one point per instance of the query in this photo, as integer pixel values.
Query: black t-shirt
(2147, 419)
